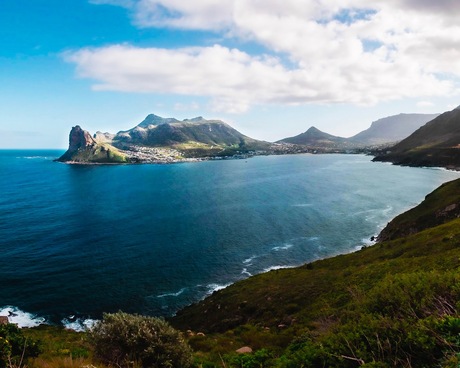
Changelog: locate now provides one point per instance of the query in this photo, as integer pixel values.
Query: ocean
(77, 241)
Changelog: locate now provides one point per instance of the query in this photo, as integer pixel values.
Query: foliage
(124, 339)
(258, 359)
(15, 348)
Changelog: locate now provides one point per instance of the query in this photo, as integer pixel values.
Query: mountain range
(384, 131)
(435, 144)
(160, 140)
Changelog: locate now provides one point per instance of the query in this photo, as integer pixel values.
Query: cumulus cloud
(352, 51)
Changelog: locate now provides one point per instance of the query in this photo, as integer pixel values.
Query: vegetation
(434, 144)
(15, 348)
(394, 304)
(122, 339)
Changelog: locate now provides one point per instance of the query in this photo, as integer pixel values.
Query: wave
(283, 247)
(273, 268)
(172, 294)
(247, 261)
(246, 272)
(34, 157)
(216, 287)
(21, 318)
(78, 324)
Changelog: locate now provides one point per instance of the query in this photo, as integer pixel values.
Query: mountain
(384, 131)
(437, 143)
(84, 148)
(315, 138)
(392, 129)
(158, 139)
(188, 134)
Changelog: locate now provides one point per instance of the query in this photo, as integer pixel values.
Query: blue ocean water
(82, 240)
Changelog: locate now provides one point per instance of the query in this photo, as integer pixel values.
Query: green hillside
(434, 144)
(395, 303)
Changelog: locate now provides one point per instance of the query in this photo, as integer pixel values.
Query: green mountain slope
(392, 304)
(193, 137)
(437, 143)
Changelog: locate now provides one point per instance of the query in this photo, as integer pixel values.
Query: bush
(14, 347)
(125, 340)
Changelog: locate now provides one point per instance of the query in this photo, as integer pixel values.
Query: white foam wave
(21, 318)
(273, 268)
(283, 247)
(249, 260)
(34, 157)
(172, 294)
(302, 205)
(246, 272)
(78, 324)
(216, 287)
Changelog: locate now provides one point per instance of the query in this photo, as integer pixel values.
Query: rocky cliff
(83, 148)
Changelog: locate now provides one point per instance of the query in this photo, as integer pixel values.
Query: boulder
(244, 350)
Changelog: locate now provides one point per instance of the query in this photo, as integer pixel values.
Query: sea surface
(77, 241)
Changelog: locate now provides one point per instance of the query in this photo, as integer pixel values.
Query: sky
(269, 68)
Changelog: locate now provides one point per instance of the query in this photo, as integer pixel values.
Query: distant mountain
(437, 143)
(392, 129)
(158, 139)
(315, 138)
(384, 131)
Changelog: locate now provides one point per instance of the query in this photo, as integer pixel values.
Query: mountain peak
(153, 119)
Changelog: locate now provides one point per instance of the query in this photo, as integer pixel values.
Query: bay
(77, 241)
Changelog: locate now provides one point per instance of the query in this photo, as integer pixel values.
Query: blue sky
(271, 69)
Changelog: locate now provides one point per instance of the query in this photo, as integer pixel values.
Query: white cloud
(414, 53)
(425, 104)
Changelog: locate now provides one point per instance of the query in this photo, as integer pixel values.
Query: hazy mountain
(437, 143)
(392, 128)
(384, 131)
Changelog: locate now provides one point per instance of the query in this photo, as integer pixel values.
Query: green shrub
(14, 347)
(125, 340)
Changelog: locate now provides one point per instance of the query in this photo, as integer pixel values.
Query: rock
(4, 320)
(244, 350)
(79, 138)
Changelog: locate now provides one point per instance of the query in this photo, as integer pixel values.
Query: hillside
(434, 144)
(393, 304)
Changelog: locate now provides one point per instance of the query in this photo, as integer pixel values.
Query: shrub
(14, 347)
(125, 340)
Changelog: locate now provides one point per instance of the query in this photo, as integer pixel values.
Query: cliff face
(83, 148)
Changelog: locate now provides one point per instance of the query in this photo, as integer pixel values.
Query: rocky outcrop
(79, 139)
(83, 148)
